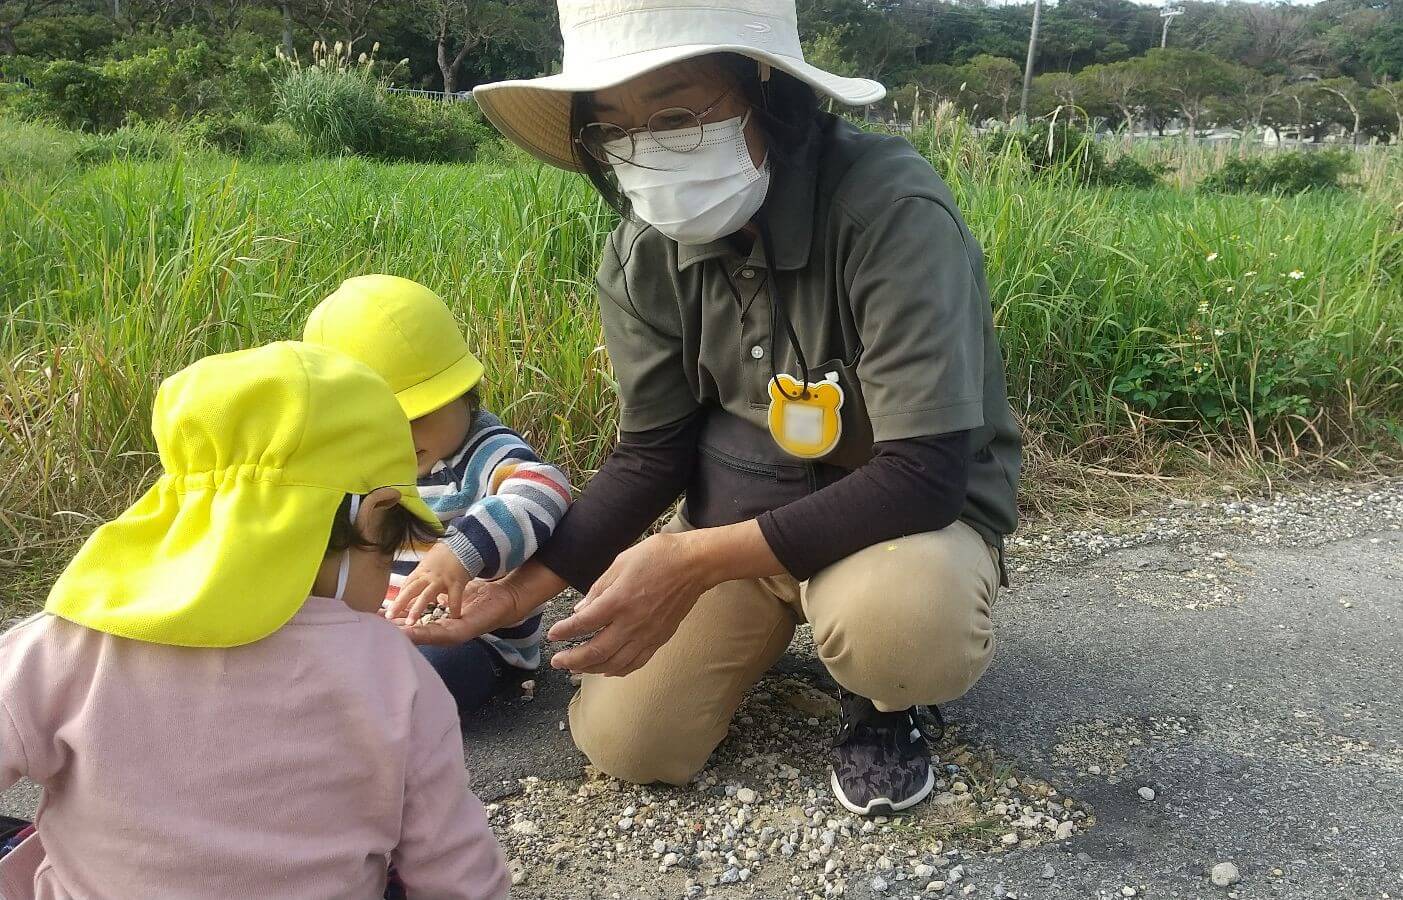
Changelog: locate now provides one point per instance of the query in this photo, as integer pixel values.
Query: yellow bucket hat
(259, 449)
(402, 330)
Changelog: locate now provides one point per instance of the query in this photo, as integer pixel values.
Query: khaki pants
(902, 623)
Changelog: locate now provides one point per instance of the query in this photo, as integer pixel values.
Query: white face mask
(697, 197)
(343, 571)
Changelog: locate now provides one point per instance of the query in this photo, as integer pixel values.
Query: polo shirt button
(757, 352)
(748, 273)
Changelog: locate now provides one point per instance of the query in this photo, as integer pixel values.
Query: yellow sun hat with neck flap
(259, 448)
(403, 331)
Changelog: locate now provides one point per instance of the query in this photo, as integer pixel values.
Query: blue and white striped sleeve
(522, 500)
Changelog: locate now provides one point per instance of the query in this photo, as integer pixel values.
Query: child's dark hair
(401, 529)
(784, 107)
(474, 400)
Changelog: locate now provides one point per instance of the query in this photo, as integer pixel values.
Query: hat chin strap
(343, 571)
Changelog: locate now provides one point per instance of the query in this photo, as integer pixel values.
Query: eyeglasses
(676, 128)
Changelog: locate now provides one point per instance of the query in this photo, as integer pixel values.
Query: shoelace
(930, 722)
(856, 711)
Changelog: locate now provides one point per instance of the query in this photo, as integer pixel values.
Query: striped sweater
(500, 503)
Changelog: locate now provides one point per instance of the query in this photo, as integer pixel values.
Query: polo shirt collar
(687, 254)
(790, 206)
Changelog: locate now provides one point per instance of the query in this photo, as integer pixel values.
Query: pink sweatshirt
(297, 766)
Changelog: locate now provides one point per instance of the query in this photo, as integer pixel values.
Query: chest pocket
(740, 473)
(855, 447)
(752, 306)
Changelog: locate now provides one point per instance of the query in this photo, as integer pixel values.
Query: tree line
(1335, 65)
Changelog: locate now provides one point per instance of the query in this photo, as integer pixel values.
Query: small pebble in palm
(433, 613)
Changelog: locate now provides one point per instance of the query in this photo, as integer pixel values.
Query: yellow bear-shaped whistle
(809, 427)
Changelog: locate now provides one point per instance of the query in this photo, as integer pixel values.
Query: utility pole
(288, 49)
(1028, 66)
(1167, 14)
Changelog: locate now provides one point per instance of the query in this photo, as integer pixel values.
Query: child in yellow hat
(195, 698)
(498, 500)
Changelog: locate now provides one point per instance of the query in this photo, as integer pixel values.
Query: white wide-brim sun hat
(609, 42)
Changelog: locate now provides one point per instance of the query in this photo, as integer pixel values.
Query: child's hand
(438, 575)
(485, 606)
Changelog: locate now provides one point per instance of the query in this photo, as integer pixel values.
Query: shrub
(1290, 172)
(424, 130)
(162, 83)
(140, 41)
(165, 83)
(1237, 175)
(73, 94)
(247, 86)
(15, 79)
(348, 110)
(1064, 149)
(1247, 378)
(19, 69)
(9, 94)
(1129, 172)
(241, 136)
(66, 36)
(130, 142)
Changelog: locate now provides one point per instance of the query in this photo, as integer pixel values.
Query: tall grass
(348, 109)
(332, 108)
(1141, 329)
(1268, 327)
(1379, 171)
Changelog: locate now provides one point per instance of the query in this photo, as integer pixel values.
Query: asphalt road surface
(1240, 660)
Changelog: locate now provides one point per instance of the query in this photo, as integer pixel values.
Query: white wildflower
(1212, 256)
(1295, 274)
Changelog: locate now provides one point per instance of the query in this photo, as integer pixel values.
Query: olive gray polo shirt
(876, 269)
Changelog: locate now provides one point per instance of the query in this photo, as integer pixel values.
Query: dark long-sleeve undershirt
(645, 474)
(908, 487)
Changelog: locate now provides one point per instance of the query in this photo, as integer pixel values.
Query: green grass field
(1145, 332)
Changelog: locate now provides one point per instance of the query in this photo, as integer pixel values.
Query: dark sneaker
(881, 760)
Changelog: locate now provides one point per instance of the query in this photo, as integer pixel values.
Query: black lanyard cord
(779, 314)
(777, 310)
